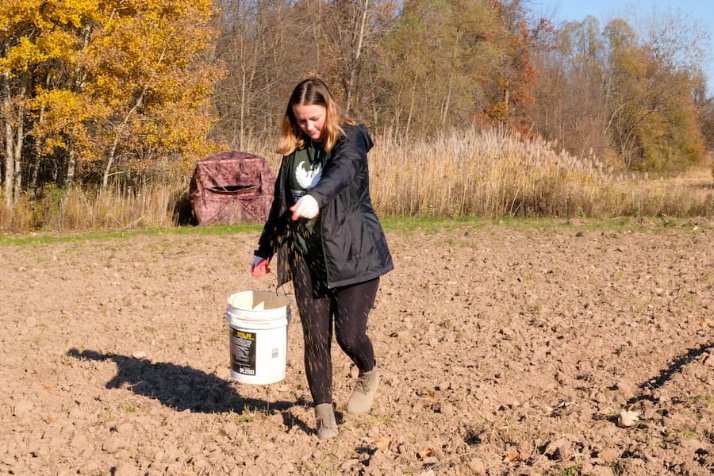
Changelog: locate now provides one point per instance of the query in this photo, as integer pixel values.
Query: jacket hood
(359, 132)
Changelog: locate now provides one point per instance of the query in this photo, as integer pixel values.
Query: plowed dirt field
(503, 349)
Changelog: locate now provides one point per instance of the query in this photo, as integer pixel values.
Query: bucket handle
(282, 288)
(277, 288)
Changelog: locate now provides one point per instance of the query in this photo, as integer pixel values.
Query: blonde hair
(310, 92)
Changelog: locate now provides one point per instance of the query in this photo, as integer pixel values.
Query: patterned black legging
(348, 308)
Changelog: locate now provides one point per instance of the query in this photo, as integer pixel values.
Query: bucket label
(243, 352)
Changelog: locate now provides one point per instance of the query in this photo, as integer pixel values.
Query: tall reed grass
(490, 173)
(80, 208)
(494, 173)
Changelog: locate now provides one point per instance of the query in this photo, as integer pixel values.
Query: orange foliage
(511, 98)
(118, 83)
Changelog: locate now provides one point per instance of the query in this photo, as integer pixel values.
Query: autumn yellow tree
(632, 99)
(450, 64)
(510, 87)
(102, 87)
(653, 118)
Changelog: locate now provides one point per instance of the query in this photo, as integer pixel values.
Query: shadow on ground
(179, 387)
(666, 374)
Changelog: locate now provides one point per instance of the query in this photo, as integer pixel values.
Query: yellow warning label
(245, 335)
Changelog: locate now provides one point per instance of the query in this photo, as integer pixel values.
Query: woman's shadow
(180, 387)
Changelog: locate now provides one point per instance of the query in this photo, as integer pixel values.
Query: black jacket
(354, 246)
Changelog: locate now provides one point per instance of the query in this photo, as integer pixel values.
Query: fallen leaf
(425, 453)
(382, 443)
(511, 456)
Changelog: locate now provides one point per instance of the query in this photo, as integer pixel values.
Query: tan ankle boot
(325, 421)
(363, 393)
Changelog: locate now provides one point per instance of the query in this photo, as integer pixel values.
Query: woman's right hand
(259, 267)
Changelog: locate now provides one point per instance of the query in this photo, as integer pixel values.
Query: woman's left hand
(306, 207)
(259, 267)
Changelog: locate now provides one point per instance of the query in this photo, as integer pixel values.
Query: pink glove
(306, 207)
(259, 267)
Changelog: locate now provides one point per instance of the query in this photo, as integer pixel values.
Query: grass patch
(46, 238)
(127, 407)
(432, 225)
(706, 400)
(570, 471)
(400, 225)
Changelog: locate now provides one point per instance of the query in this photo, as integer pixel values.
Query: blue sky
(699, 13)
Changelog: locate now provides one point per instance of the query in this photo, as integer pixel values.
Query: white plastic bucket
(258, 336)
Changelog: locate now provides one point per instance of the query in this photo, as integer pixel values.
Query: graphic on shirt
(308, 176)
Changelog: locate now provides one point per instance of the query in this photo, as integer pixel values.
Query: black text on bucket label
(243, 352)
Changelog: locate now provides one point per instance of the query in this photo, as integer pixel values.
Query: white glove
(306, 207)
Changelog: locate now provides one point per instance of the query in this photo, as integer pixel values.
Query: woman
(329, 242)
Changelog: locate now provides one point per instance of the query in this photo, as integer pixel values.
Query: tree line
(120, 91)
